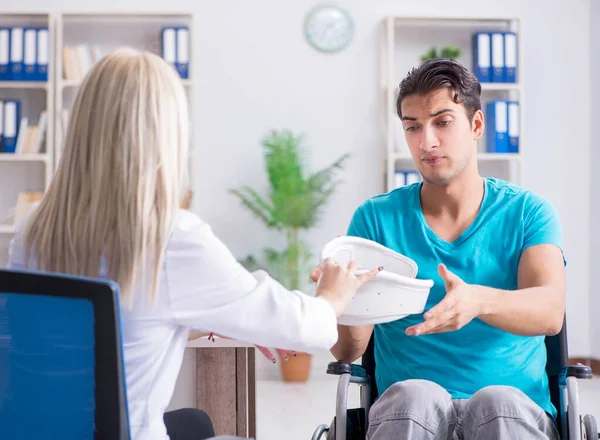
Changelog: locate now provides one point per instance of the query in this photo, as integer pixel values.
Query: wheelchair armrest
(579, 371)
(340, 368)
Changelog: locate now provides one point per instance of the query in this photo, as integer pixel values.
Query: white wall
(594, 179)
(255, 72)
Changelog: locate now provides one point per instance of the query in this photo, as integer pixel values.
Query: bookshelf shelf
(484, 86)
(128, 15)
(480, 156)
(65, 83)
(450, 22)
(501, 86)
(7, 229)
(404, 39)
(500, 156)
(10, 157)
(24, 85)
(74, 83)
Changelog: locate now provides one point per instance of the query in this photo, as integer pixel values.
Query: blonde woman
(112, 211)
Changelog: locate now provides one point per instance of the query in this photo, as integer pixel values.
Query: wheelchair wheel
(318, 435)
(590, 428)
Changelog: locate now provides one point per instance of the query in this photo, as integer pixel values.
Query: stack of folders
(78, 60)
(17, 136)
(405, 177)
(176, 49)
(495, 57)
(24, 54)
(502, 126)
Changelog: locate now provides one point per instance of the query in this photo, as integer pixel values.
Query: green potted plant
(292, 205)
(450, 51)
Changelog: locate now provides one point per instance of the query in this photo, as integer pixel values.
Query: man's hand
(459, 307)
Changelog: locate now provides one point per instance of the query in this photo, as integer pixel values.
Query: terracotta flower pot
(297, 368)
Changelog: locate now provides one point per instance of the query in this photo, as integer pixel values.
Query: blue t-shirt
(486, 253)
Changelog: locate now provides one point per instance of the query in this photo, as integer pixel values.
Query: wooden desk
(226, 384)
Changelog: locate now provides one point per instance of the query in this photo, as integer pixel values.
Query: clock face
(328, 28)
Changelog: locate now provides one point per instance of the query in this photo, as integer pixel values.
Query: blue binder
(513, 126)
(497, 128)
(5, 71)
(16, 54)
(29, 54)
(12, 120)
(498, 67)
(43, 53)
(510, 56)
(399, 178)
(412, 177)
(482, 59)
(183, 52)
(1, 124)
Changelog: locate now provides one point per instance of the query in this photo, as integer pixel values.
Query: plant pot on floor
(296, 368)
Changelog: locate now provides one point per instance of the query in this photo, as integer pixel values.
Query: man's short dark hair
(438, 73)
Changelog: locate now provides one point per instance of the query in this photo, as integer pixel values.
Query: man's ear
(478, 125)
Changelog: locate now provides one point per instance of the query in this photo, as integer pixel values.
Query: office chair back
(61, 362)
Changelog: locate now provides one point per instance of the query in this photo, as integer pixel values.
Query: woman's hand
(264, 350)
(338, 283)
(267, 353)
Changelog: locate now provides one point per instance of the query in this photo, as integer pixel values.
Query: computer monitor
(61, 373)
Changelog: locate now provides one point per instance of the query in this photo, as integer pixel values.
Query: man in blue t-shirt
(473, 365)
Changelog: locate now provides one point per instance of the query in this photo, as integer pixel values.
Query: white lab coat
(202, 287)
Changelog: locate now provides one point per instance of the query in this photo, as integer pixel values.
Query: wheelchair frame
(562, 378)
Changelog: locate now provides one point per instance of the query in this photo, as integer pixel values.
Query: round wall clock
(328, 28)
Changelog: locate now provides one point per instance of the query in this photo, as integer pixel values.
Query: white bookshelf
(403, 40)
(108, 31)
(20, 172)
(105, 30)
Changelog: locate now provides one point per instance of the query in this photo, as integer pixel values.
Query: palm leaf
(283, 162)
(318, 180)
(260, 202)
(255, 204)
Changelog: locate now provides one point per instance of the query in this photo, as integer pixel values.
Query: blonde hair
(120, 177)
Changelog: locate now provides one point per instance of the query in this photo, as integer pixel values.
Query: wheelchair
(352, 424)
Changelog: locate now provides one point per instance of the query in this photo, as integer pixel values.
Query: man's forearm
(528, 312)
(352, 342)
